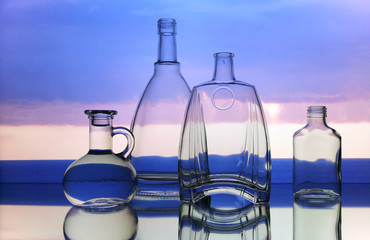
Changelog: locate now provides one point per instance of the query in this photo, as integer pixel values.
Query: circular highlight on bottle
(223, 98)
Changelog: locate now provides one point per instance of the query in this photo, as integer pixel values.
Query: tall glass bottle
(157, 121)
(317, 157)
(224, 146)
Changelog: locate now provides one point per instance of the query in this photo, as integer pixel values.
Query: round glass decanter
(101, 178)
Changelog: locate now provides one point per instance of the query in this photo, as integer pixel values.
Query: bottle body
(100, 178)
(317, 157)
(224, 147)
(157, 121)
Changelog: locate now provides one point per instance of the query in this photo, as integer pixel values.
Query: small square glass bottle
(317, 157)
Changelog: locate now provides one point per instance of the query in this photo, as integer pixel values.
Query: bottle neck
(316, 115)
(100, 129)
(100, 138)
(167, 50)
(224, 68)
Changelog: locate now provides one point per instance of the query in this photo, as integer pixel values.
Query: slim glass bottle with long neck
(317, 157)
(157, 121)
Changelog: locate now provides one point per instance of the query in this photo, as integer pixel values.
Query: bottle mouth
(223, 55)
(100, 112)
(316, 111)
(167, 26)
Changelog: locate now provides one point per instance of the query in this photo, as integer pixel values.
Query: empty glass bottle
(317, 157)
(100, 178)
(157, 121)
(224, 146)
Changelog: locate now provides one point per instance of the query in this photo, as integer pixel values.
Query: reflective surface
(43, 212)
(100, 223)
(317, 218)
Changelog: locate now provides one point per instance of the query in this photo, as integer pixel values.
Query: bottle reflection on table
(119, 222)
(317, 218)
(208, 219)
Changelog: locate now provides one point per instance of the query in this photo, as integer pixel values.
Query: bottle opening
(316, 111)
(167, 26)
(223, 55)
(100, 117)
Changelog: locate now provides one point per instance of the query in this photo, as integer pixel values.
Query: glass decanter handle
(130, 140)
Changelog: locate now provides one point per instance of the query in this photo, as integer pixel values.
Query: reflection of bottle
(157, 121)
(317, 157)
(118, 222)
(100, 178)
(317, 218)
(200, 222)
(224, 144)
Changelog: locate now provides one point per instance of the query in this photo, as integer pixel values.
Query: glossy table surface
(40, 211)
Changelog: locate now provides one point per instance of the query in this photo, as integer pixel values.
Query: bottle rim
(224, 55)
(316, 111)
(92, 112)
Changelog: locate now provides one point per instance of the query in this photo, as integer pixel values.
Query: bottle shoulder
(231, 84)
(314, 131)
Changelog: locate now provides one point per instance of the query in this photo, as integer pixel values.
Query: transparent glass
(157, 121)
(119, 222)
(202, 222)
(224, 146)
(317, 157)
(317, 218)
(101, 178)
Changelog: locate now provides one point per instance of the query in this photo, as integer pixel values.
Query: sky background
(58, 58)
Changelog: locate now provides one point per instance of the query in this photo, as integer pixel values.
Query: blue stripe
(354, 170)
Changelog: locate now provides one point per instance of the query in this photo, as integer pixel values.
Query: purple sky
(88, 53)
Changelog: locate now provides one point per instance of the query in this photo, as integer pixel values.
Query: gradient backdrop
(58, 58)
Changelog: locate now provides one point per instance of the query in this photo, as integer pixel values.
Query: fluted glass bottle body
(157, 121)
(317, 157)
(224, 146)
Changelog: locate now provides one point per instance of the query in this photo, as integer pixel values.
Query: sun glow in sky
(58, 58)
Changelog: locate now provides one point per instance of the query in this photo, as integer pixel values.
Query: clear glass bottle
(317, 157)
(157, 121)
(101, 178)
(224, 147)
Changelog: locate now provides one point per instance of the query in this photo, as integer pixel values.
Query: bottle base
(316, 193)
(195, 194)
(102, 203)
(158, 188)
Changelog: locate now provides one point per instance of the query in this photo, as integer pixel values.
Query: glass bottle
(157, 121)
(101, 178)
(317, 157)
(224, 146)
